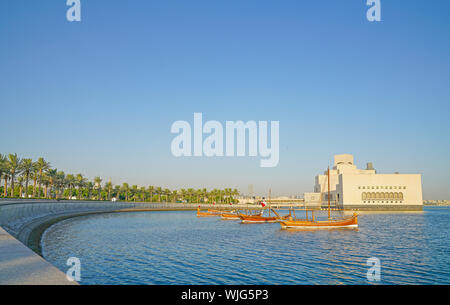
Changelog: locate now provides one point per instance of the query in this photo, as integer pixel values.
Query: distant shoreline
(437, 205)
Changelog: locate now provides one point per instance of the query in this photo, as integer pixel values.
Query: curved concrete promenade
(22, 223)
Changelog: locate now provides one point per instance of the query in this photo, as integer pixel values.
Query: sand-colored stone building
(365, 189)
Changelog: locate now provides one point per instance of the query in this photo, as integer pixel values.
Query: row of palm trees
(25, 178)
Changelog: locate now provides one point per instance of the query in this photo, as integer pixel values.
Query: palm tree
(98, 186)
(20, 181)
(41, 166)
(117, 191)
(205, 195)
(27, 169)
(134, 191)
(234, 192)
(70, 182)
(35, 174)
(151, 189)
(125, 188)
(4, 172)
(52, 176)
(174, 196)
(183, 194)
(89, 187)
(80, 182)
(167, 194)
(159, 192)
(108, 186)
(6, 177)
(14, 164)
(143, 193)
(60, 183)
(188, 194)
(46, 182)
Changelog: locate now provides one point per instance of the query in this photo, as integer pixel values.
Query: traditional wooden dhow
(313, 223)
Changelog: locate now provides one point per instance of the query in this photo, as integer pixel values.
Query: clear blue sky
(99, 96)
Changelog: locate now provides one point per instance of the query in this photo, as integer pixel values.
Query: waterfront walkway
(21, 266)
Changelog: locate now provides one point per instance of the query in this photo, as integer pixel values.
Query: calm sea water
(178, 248)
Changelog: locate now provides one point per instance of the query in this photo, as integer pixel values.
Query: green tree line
(25, 178)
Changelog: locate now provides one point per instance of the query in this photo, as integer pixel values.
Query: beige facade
(365, 189)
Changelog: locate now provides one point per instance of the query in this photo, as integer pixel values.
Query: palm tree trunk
(26, 184)
(12, 185)
(34, 186)
(40, 179)
(6, 186)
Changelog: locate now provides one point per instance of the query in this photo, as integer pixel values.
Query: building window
(400, 196)
(363, 196)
